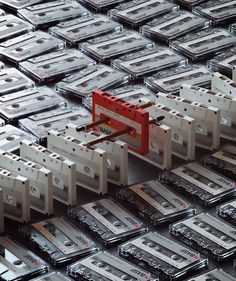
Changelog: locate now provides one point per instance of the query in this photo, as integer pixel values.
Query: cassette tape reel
(16, 4)
(101, 5)
(215, 274)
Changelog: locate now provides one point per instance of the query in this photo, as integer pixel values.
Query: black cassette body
(107, 220)
(207, 234)
(174, 25)
(137, 12)
(82, 29)
(101, 5)
(55, 66)
(18, 263)
(204, 44)
(227, 211)
(213, 275)
(46, 14)
(190, 3)
(52, 276)
(145, 62)
(16, 4)
(29, 45)
(113, 45)
(83, 83)
(162, 256)
(154, 202)
(57, 240)
(201, 183)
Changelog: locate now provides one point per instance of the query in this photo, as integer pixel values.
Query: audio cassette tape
(232, 28)
(162, 256)
(145, 62)
(169, 81)
(227, 211)
(204, 44)
(173, 25)
(155, 202)
(82, 29)
(101, 5)
(84, 82)
(111, 46)
(40, 180)
(24, 103)
(57, 240)
(52, 276)
(213, 275)
(137, 12)
(223, 84)
(46, 14)
(189, 3)
(17, 262)
(200, 183)
(117, 153)
(16, 4)
(106, 219)
(29, 45)
(1, 212)
(55, 66)
(234, 74)
(63, 170)
(57, 119)
(207, 234)
(91, 162)
(107, 267)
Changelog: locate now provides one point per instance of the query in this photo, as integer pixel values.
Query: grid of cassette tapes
(87, 85)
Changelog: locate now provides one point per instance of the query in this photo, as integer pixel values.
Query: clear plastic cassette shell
(200, 183)
(215, 274)
(208, 235)
(18, 263)
(227, 211)
(155, 202)
(57, 240)
(190, 3)
(16, 4)
(106, 219)
(85, 28)
(169, 81)
(40, 124)
(52, 276)
(107, 267)
(29, 45)
(12, 80)
(162, 256)
(30, 101)
(218, 11)
(137, 12)
(101, 5)
(55, 66)
(204, 44)
(83, 83)
(116, 44)
(145, 62)
(46, 14)
(174, 25)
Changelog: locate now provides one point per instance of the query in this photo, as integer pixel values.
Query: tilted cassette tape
(145, 62)
(207, 234)
(111, 46)
(215, 274)
(162, 256)
(46, 14)
(83, 83)
(207, 118)
(87, 27)
(182, 129)
(16, 4)
(101, 5)
(189, 3)
(204, 44)
(223, 84)
(40, 180)
(63, 170)
(53, 276)
(56, 65)
(107, 220)
(91, 162)
(200, 183)
(1, 212)
(225, 103)
(117, 153)
(227, 211)
(155, 202)
(30, 101)
(218, 11)
(173, 25)
(169, 81)
(137, 12)
(29, 45)
(17, 262)
(107, 267)
(57, 240)
(57, 119)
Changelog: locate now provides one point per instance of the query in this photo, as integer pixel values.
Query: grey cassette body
(91, 163)
(1, 212)
(56, 65)
(40, 180)
(215, 274)
(53, 276)
(101, 5)
(223, 84)
(63, 170)
(29, 45)
(16, 4)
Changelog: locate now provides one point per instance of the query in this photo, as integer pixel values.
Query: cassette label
(216, 274)
(223, 84)
(16, 4)
(1, 212)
